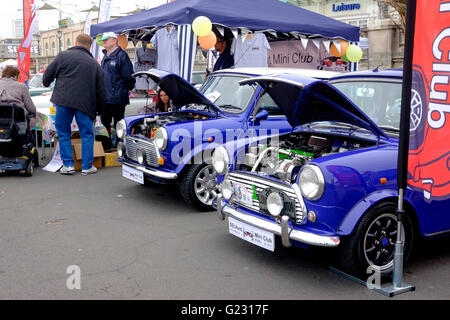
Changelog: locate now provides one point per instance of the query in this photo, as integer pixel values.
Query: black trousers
(112, 113)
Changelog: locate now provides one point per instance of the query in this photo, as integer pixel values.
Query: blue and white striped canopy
(271, 16)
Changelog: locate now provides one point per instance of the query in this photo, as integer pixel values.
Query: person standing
(223, 47)
(79, 92)
(118, 69)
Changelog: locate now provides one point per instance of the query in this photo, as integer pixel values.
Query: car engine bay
(284, 159)
(148, 125)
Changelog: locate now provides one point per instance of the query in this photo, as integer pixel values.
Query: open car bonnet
(305, 100)
(178, 89)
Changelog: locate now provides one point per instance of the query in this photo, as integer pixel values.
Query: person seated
(163, 103)
(13, 92)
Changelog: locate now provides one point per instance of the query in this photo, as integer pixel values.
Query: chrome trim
(318, 172)
(437, 233)
(152, 172)
(133, 143)
(293, 191)
(271, 78)
(298, 193)
(285, 232)
(162, 131)
(219, 207)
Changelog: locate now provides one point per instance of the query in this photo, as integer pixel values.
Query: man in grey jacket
(79, 92)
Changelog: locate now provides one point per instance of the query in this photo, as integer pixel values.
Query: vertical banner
(103, 15)
(88, 23)
(429, 132)
(24, 50)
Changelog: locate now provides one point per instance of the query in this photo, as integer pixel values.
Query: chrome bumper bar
(283, 230)
(152, 172)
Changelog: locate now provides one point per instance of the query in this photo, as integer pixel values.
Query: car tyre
(195, 178)
(29, 169)
(373, 242)
(36, 158)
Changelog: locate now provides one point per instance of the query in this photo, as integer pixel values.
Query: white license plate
(242, 195)
(132, 174)
(251, 234)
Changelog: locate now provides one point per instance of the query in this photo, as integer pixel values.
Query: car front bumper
(150, 172)
(283, 229)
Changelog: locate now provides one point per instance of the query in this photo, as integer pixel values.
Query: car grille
(151, 152)
(260, 183)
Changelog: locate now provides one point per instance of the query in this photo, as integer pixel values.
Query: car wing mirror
(261, 115)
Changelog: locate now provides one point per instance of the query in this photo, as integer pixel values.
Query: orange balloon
(208, 41)
(122, 41)
(335, 52)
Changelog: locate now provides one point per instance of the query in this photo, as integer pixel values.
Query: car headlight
(220, 160)
(161, 138)
(140, 156)
(227, 189)
(275, 204)
(121, 129)
(312, 182)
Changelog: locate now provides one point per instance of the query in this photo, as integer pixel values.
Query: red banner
(429, 144)
(24, 52)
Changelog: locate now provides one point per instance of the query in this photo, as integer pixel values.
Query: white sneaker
(92, 170)
(67, 170)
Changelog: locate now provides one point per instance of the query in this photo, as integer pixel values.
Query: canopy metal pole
(398, 286)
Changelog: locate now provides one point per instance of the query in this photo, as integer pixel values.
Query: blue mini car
(332, 180)
(176, 147)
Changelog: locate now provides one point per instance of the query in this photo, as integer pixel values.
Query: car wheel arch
(354, 216)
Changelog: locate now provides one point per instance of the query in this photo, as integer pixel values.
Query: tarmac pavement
(136, 242)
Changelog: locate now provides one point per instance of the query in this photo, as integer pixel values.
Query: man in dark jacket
(79, 92)
(118, 80)
(223, 47)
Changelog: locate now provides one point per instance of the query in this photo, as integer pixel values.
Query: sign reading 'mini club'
(346, 7)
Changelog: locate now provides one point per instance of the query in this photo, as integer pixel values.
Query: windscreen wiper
(229, 106)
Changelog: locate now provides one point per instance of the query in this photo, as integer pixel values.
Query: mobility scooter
(18, 151)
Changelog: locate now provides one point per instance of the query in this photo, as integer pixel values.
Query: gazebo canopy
(253, 15)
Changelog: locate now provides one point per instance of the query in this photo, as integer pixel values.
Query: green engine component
(302, 153)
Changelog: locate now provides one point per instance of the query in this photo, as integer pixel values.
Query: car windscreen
(378, 99)
(198, 77)
(36, 82)
(226, 93)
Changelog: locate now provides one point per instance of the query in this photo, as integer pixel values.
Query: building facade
(9, 47)
(53, 41)
(379, 25)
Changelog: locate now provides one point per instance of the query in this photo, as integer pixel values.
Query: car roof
(387, 73)
(319, 74)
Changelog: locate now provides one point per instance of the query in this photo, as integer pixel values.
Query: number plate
(133, 174)
(251, 234)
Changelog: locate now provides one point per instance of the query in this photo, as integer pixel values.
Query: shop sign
(346, 7)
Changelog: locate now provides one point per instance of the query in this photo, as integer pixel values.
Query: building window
(53, 48)
(68, 43)
(46, 49)
(363, 23)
